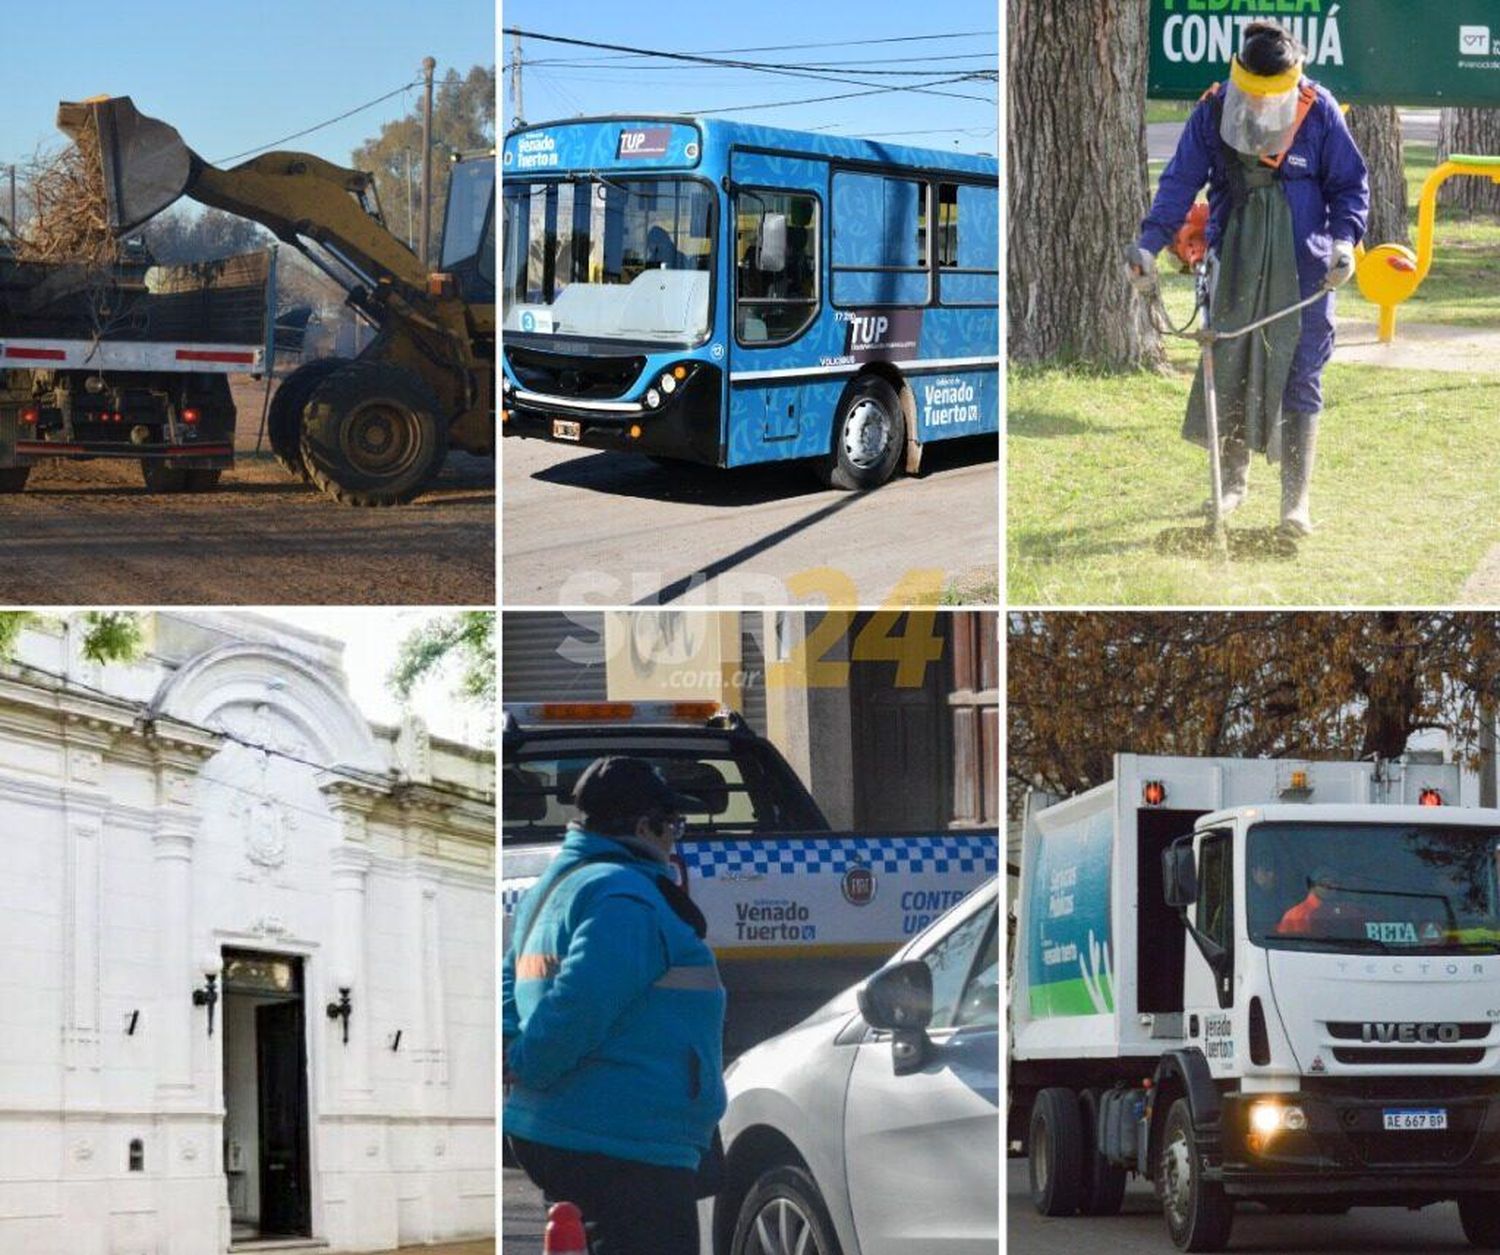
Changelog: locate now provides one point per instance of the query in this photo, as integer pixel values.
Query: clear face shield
(1259, 112)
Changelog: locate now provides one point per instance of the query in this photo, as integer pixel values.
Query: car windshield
(609, 259)
(1374, 887)
(736, 796)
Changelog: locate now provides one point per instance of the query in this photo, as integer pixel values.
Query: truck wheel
(203, 479)
(284, 416)
(1199, 1213)
(372, 435)
(1056, 1158)
(1103, 1182)
(161, 478)
(784, 1214)
(13, 478)
(1481, 1220)
(869, 436)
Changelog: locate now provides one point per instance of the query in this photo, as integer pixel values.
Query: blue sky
(623, 86)
(232, 76)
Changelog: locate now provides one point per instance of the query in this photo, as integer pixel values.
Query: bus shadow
(635, 475)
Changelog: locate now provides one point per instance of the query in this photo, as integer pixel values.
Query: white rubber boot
(1234, 466)
(1299, 447)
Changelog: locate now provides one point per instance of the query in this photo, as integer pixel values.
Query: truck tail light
(30, 414)
(191, 415)
(1153, 793)
(1430, 797)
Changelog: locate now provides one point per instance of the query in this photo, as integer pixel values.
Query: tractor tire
(1056, 1147)
(372, 435)
(1103, 1182)
(284, 417)
(869, 436)
(13, 478)
(162, 478)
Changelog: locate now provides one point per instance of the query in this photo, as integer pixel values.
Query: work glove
(1340, 264)
(1140, 269)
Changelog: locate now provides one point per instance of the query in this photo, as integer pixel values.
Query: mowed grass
(1104, 496)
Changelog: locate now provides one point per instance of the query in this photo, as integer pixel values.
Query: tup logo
(647, 141)
(859, 886)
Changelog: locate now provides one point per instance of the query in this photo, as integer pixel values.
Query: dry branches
(70, 218)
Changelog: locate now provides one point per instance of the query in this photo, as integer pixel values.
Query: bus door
(777, 235)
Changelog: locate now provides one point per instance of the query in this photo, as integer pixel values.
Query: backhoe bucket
(146, 165)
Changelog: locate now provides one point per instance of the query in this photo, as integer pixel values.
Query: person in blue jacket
(1288, 196)
(612, 1018)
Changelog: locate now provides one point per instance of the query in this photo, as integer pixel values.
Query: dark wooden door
(281, 1066)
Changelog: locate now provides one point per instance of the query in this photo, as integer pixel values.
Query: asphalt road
(585, 527)
(523, 1215)
(1140, 1228)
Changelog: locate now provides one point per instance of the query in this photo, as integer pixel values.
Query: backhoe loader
(373, 430)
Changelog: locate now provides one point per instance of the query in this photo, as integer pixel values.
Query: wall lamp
(208, 996)
(341, 1010)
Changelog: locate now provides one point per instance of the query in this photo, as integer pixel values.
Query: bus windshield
(609, 259)
(1374, 887)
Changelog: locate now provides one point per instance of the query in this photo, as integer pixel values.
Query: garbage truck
(1259, 980)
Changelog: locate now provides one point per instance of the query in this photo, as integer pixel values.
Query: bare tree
(1475, 133)
(1377, 131)
(1078, 185)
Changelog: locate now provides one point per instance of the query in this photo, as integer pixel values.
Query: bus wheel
(869, 435)
(13, 478)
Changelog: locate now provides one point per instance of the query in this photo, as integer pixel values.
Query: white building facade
(246, 954)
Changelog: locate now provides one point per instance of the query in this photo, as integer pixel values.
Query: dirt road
(584, 527)
(88, 533)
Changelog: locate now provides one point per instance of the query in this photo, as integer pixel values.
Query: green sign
(1391, 52)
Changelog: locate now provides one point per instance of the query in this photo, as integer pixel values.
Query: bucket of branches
(69, 222)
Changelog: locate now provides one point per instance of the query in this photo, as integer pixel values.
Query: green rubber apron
(1257, 275)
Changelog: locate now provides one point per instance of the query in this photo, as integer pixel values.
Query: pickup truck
(130, 362)
(796, 911)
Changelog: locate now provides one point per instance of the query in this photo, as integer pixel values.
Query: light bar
(1430, 797)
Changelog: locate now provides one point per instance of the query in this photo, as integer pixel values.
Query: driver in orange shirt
(1325, 911)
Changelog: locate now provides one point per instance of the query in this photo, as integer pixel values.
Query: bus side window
(775, 305)
(947, 240)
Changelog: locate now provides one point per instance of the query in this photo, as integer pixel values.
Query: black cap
(619, 787)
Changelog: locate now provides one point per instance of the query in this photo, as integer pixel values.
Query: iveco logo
(1428, 1033)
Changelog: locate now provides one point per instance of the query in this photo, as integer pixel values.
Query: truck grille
(1376, 1056)
(1349, 1030)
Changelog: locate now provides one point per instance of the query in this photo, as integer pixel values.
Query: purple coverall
(1328, 189)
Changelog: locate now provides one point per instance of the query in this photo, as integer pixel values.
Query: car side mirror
(899, 999)
(1179, 873)
(771, 255)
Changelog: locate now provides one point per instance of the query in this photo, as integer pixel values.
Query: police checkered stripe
(941, 853)
(512, 891)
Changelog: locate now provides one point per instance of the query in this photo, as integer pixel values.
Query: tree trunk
(1377, 131)
(1475, 133)
(1078, 186)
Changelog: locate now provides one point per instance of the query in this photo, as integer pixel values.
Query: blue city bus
(727, 294)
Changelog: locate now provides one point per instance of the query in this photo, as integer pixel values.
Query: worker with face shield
(1288, 196)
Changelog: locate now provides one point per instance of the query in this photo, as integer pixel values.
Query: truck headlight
(1270, 1117)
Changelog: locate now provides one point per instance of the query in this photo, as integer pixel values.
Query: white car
(872, 1127)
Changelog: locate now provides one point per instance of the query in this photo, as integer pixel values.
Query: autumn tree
(1082, 687)
(463, 120)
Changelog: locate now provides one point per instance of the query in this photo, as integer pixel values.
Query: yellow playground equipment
(1389, 273)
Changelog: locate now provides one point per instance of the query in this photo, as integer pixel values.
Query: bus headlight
(668, 384)
(653, 399)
